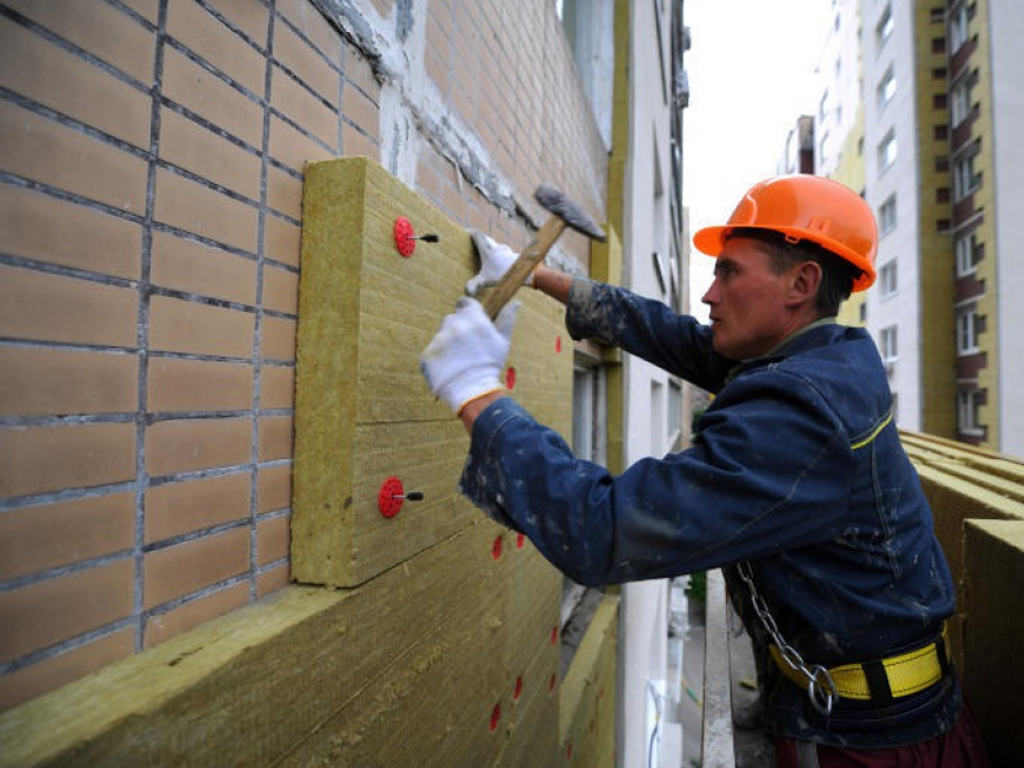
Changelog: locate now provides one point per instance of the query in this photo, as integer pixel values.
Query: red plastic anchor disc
(387, 502)
(405, 240)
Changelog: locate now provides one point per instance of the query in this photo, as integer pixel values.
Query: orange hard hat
(805, 207)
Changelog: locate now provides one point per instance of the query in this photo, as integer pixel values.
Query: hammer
(565, 214)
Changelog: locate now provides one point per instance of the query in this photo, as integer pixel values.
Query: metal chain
(821, 688)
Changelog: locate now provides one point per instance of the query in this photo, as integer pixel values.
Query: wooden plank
(363, 411)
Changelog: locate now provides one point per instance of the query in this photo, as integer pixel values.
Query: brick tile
(277, 386)
(49, 381)
(284, 192)
(187, 265)
(41, 459)
(361, 111)
(205, 94)
(50, 535)
(192, 444)
(291, 99)
(355, 144)
(42, 677)
(272, 580)
(278, 342)
(198, 385)
(40, 306)
(39, 615)
(187, 326)
(46, 151)
(281, 241)
(438, 70)
(149, 9)
(100, 29)
(207, 36)
(273, 538)
(296, 54)
(185, 568)
(280, 289)
(273, 488)
(164, 626)
(44, 72)
(358, 71)
(174, 509)
(40, 227)
(191, 146)
(252, 18)
(311, 23)
(292, 148)
(275, 440)
(193, 207)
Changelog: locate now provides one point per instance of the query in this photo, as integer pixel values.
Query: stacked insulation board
(369, 303)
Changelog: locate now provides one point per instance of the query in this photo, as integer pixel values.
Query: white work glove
(465, 359)
(495, 260)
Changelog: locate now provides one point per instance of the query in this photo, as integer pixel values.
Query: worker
(796, 484)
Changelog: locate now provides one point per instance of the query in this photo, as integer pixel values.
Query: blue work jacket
(797, 468)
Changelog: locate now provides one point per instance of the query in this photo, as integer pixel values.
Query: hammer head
(561, 206)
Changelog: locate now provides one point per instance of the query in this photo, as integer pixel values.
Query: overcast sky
(751, 69)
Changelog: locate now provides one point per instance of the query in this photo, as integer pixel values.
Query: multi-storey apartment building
(914, 113)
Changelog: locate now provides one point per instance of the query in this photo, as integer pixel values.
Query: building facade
(928, 115)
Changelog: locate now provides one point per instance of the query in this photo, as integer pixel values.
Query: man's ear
(805, 280)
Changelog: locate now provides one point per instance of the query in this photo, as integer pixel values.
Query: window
(588, 26)
(958, 28)
(883, 30)
(886, 88)
(965, 178)
(967, 322)
(968, 405)
(675, 414)
(888, 344)
(961, 106)
(887, 152)
(589, 436)
(887, 278)
(966, 255)
(887, 215)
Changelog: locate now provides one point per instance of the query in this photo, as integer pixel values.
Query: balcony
(977, 498)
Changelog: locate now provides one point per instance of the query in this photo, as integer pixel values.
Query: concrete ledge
(718, 746)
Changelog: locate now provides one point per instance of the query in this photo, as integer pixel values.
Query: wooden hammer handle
(521, 268)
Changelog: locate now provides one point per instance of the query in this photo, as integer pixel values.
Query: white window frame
(883, 30)
(967, 331)
(888, 151)
(966, 255)
(888, 279)
(965, 178)
(959, 28)
(960, 102)
(967, 407)
(888, 343)
(886, 88)
(887, 215)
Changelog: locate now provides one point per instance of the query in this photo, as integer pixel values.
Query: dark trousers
(961, 747)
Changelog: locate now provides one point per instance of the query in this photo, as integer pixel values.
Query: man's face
(748, 302)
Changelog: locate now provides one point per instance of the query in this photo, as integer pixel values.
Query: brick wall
(150, 214)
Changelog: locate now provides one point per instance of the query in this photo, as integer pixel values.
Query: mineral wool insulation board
(364, 416)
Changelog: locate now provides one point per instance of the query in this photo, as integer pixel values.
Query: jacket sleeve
(646, 328)
(770, 471)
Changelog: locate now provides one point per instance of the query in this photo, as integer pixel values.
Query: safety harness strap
(882, 680)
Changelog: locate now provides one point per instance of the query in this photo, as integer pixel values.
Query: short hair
(837, 274)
